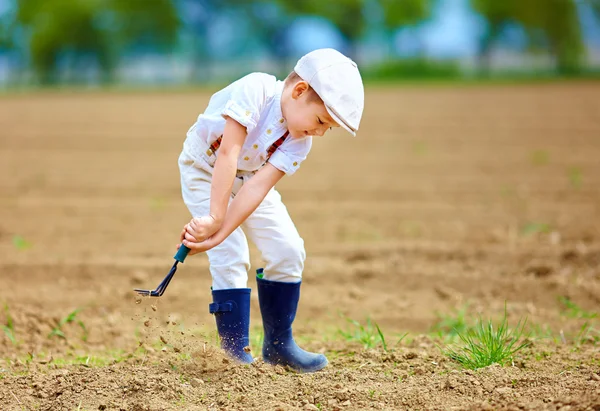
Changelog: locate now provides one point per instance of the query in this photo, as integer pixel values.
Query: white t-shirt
(254, 101)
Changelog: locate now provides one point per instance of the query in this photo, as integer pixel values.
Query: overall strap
(214, 146)
(277, 144)
(217, 143)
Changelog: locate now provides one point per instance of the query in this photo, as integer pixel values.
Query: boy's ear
(300, 88)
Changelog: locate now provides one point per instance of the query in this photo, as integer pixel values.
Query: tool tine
(161, 287)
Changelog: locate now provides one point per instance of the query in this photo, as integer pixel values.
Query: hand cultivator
(179, 258)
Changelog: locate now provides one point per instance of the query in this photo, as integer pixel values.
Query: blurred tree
(400, 13)
(553, 24)
(6, 31)
(199, 16)
(497, 14)
(144, 22)
(265, 16)
(349, 16)
(91, 27)
(404, 13)
(345, 14)
(57, 26)
(559, 20)
(595, 5)
(6, 41)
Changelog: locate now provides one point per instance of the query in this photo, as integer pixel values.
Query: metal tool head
(161, 287)
(179, 257)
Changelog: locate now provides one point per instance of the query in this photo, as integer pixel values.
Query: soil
(479, 198)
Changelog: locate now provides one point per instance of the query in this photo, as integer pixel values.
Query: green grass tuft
(539, 157)
(20, 243)
(449, 326)
(257, 337)
(572, 310)
(575, 176)
(369, 335)
(485, 344)
(381, 337)
(9, 327)
(536, 228)
(70, 318)
(419, 148)
(587, 334)
(158, 203)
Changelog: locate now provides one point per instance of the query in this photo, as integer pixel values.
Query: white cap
(336, 79)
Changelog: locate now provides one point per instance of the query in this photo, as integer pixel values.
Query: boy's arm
(245, 202)
(225, 169)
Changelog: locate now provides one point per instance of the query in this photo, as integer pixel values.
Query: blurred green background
(181, 42)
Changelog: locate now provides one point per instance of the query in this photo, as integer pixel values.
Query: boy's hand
(202, 246)
(199, 229)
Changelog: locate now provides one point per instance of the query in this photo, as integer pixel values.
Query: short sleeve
(291, 154)
(247, 99)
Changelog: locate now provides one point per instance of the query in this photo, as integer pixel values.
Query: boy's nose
(319, 131)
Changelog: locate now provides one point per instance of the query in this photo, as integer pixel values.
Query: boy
(253, 133)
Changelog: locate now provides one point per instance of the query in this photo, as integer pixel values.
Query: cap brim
(341, 122)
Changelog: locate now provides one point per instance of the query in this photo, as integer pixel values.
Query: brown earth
(451, 198)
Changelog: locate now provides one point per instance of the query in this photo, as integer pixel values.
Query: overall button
(269, 131)
(295, 163)
(255, 146)
(246, 158)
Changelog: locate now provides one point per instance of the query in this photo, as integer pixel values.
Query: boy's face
(305, 113)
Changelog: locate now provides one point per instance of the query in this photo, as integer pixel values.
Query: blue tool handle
(182, 253)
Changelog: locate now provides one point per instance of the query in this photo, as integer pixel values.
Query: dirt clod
(197, 382)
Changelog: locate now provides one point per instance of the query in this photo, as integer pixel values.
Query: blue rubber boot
(232, 313)
(278, 303)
